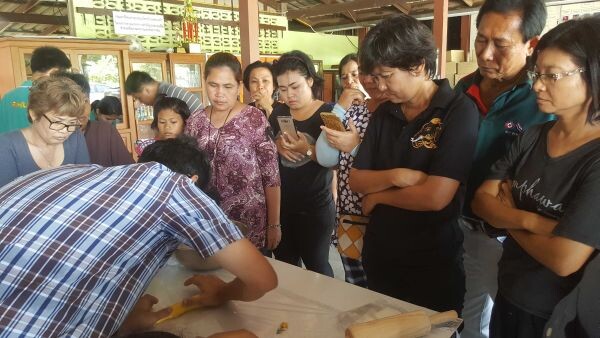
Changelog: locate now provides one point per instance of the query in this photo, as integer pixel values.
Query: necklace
(216, 144)
(218, 129)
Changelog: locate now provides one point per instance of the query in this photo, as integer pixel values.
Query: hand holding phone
(286, 125)
(332, 121)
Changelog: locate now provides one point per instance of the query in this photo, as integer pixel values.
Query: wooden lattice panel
(213, 38)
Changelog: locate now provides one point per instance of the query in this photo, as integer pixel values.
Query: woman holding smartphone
(307, 208)
(338, 148)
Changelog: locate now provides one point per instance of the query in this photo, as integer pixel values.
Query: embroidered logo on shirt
(21, 104)
(428, 135)
(513, 128)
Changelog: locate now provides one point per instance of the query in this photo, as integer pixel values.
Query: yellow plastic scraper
(177, 310)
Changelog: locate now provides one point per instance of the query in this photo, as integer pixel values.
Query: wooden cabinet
(183, 70)
(104, 63)
(187, 71)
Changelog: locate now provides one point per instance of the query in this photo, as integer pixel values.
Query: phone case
(332, 121)
(286, 124)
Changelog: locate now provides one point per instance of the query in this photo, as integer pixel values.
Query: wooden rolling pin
(405, 325)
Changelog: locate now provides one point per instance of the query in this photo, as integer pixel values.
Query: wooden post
(249, 34)
(465, 34)
(362, 33)
(440, 33)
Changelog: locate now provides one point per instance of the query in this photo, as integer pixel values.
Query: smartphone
(286, 124)
(362, 90)
(332, 121)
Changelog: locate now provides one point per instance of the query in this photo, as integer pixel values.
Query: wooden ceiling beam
(355, 5)
(468, 2)
(50, 30)
(272, 3)
(11, 17)
(27, 6)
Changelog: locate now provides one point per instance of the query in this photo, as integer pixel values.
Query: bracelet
(274, 226)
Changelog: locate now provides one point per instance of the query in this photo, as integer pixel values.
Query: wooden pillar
(440, 33)
(249, 34)
(465, 34)
(362, 33)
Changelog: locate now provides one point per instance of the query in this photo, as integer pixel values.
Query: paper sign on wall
(130, 23)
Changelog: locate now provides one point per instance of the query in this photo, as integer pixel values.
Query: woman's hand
(505, 194)
(286, 153)
(344, 141)
(273, 237)
(263, 101)
(297, 144)
(351, 96)
(368, 204)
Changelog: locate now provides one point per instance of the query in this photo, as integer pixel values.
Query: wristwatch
(309, 152)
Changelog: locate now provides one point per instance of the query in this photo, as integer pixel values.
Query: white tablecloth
(313, 305)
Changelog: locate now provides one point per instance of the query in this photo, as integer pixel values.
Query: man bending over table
(79, 244)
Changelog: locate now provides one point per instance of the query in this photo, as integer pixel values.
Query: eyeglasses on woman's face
(58, 126)
(551, 78)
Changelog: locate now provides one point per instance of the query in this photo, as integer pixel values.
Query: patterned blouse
(349, 202)
(244, 163)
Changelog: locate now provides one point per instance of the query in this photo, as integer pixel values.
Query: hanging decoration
(189, 23)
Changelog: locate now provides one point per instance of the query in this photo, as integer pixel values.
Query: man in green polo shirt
(13, 106)
(507, 32)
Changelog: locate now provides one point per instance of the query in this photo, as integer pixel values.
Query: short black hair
(399, 42)
(223, 59)
(173, 103)
(109, 105)
(136, 80)
(345, 60)
(579, 39)
(45, 58)
(181, 155)
(253, 66)
(533, 14)
(79, 79)
(300, 62)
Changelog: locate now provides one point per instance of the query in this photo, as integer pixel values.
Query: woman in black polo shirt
(412, 166)
(307, 209)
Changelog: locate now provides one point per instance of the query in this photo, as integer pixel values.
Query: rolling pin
(405, 325)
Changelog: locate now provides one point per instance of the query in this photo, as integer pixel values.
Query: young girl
(170, 115)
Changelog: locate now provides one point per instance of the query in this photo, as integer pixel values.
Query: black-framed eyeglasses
(57, 126)
(552, 77)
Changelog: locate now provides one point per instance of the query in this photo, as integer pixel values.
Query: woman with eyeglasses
(412, 167)
(56, 106)
(307, 208)
(244, 158)
(545, 191)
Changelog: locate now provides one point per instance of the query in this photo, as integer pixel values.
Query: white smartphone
(362, 90)
(286, 124)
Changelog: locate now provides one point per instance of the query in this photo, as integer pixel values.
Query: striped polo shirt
(79, 244)
(193, 101)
